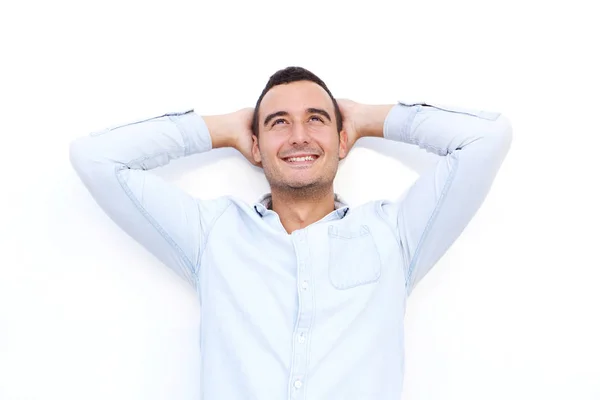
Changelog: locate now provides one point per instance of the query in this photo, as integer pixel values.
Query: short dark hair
(289, 75)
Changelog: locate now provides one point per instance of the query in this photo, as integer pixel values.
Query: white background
(511, 311)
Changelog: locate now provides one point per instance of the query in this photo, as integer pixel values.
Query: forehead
(295, 97)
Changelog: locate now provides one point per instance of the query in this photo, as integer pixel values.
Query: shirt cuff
(398, 123)
(195, 133)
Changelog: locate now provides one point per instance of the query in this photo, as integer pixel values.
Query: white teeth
(298, 159)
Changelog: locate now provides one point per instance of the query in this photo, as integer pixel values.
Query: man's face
(298, 144)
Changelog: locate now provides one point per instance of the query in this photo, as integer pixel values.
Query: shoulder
(235, 204)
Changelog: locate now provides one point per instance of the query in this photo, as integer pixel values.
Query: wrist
(219, 127)
(372, 119)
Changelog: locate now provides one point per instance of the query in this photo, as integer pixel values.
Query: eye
(316, 117)
(278, 120)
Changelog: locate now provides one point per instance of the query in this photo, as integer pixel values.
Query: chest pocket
(353, 257)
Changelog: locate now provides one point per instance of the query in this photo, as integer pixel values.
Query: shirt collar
(264, 204)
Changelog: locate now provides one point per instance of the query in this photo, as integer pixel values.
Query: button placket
(301, 338)
(304, 318)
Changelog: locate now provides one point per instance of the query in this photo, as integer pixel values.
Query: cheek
(332, 146)
(270, 148)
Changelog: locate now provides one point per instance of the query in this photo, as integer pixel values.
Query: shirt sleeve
(114, 165)
(434, 211)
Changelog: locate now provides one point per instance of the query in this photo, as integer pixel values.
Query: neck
(299, 209)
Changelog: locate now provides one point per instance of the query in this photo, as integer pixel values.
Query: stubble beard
(314, 189)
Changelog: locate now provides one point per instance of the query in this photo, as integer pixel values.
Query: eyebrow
(308, 111)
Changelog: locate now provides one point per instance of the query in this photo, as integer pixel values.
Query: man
(302, 296)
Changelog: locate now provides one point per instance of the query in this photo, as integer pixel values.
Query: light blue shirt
(316, 314)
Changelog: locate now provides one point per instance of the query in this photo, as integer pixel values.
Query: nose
(299, 134)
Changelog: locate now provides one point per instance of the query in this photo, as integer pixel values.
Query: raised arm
(113, 164)
(438, 206)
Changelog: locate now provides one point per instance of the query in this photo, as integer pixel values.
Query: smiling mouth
(304, 160)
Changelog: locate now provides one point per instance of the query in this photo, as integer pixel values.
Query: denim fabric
(316, 314)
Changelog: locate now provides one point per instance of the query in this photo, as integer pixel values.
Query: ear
(343, 148)
(255, 150)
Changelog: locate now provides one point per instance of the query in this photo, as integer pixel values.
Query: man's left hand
(361, 120)
(350, 113)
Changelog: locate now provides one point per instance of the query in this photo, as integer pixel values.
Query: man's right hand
(233, 130)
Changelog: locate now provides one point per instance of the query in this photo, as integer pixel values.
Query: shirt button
(305, 285)
(301, 338)
(298, 384)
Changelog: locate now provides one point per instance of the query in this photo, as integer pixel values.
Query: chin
(308, 185)
(286, 182)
